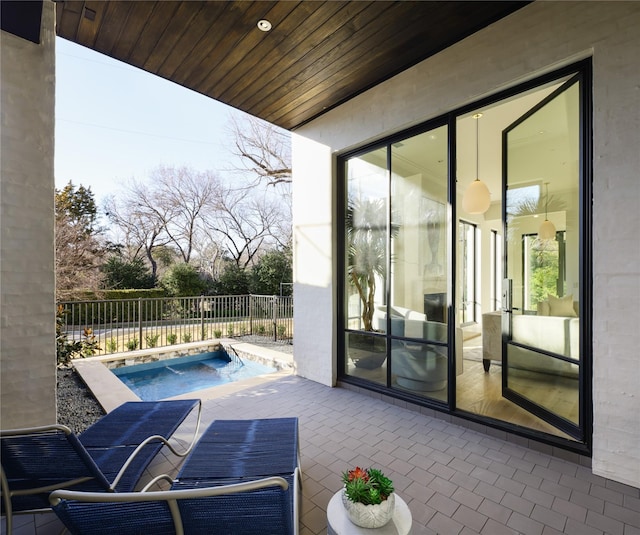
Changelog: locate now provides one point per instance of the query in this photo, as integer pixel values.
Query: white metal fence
(129, 324)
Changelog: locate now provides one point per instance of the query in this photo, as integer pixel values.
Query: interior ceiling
(316, 56)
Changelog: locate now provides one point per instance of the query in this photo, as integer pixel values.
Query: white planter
(369, 516)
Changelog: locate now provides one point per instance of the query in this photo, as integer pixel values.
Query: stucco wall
(313, 262)
(27, 284)
(537, 39)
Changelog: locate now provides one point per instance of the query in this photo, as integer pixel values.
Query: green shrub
(186, 338)
(132, 345)
(282, 330)
(230, 331)
(172, 338)
(112, 345)
(183, 280)
(217, 333)
(65, 349)
(262, 330)
(152, 340)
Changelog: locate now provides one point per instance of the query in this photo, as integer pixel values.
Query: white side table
(338, 522)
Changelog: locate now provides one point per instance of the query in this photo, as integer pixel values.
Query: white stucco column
(313, 261)
(27, 273)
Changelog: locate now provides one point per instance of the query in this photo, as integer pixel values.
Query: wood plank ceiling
(316, 56)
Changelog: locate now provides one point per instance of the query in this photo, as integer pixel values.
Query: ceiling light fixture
(476, 198)
(547, 230)
(264, 25)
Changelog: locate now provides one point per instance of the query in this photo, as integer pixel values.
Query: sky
(115, 122)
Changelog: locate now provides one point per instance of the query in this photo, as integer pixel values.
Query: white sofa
(555, 328)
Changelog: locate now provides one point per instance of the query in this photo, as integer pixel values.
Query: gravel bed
(78, 408)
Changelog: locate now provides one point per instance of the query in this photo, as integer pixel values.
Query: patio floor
(456, 480)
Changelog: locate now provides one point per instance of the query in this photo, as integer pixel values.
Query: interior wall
(27, 280)
(537, 39)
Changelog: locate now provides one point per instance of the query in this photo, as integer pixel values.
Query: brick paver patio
(455, 480)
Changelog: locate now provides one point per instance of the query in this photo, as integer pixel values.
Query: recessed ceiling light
(264, 25)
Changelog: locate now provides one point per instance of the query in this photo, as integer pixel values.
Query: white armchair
(421, 366)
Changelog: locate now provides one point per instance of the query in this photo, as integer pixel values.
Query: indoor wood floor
(480, 392)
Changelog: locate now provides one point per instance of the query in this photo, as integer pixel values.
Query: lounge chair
(110, 456)
(242, 477)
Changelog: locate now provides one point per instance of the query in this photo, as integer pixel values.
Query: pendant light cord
(546, 204)
(477, 148)
(477, 118)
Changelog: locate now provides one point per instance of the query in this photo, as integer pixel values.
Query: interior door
(541, 351)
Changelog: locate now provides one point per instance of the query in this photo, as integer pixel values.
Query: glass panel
(420, 368)
(366, 240)
(495, 256)
(467, 267)
(419, 231)
(543, 147)
(543, 269)
(546, 381)
(543, 255)
(365, 356)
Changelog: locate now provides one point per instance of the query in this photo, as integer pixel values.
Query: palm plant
(366, 223)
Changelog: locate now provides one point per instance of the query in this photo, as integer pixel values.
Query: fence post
(202, 317)
(275, 318)
(140, 320)
(250, 313)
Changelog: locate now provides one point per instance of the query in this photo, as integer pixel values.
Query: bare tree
(264, 154)
(210, 255)
(78, 258)
(263, 149)
(141, 220)
(186, 195)
(78, 241)
(163, 212)
(245, 224)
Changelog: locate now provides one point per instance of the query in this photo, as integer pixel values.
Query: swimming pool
(166, 378)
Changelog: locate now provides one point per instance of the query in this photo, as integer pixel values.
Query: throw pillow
(543, 308)
(562, 306)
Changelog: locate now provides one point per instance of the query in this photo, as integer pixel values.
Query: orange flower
(358, 473)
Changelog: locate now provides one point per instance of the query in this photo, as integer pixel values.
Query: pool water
(164, 379)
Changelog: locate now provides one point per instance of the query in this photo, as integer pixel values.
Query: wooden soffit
(316, 56)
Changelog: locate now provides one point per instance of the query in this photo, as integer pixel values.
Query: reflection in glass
(541, 130)
(366, 356)
(547, 381)
(420, 368)
(366, 238)
(542, 150)
(467, 256)
(419, 226)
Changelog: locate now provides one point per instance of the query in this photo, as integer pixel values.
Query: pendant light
(547, 230)
(476, 198)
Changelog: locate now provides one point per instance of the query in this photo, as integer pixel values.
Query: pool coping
(111, 392)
